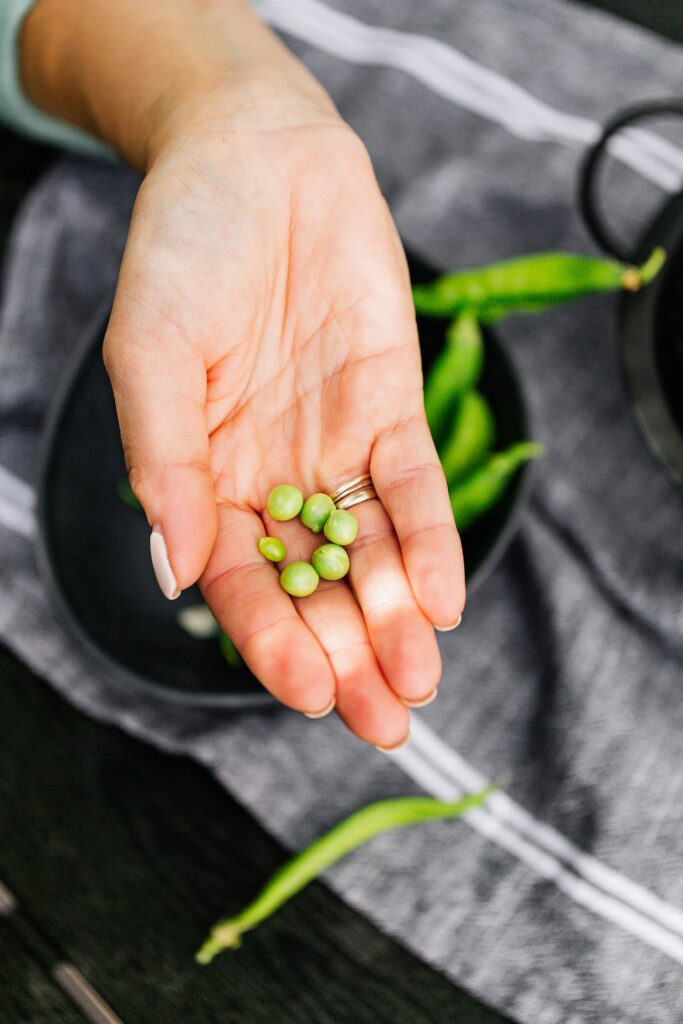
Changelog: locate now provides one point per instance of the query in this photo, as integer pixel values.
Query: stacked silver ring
(361, 488)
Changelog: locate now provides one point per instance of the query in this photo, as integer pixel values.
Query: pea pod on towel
(456, 370)
(331, 847)
(530, 283)
(485, 485)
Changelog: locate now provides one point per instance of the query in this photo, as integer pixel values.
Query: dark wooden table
(119, 857)
(114, 858)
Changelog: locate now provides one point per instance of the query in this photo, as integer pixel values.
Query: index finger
(243, 591)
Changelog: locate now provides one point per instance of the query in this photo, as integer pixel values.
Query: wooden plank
(124, 857)
(665, 18)
(27, 994)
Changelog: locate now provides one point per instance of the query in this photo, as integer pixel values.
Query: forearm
(130, 72)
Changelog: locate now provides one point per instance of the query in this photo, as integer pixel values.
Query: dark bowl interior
(94, 548)
(652, 342)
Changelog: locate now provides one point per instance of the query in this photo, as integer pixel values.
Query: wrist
(140, 73)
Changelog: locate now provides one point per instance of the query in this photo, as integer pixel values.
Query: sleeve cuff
(16, 110)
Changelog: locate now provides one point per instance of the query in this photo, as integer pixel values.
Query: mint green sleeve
(16, 110)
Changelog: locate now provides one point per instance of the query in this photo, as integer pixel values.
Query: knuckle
(112, 351)
(241, 571)
(421, 532)
(108, 354)
(372, 540)
(139, 479)
(415, 476)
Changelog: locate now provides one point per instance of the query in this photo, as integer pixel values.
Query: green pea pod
(331, 847)
(470, 439)
(530, 283)
(456, 370)
(485, 485)
(491, 313)
(126, 493)
(230, 652)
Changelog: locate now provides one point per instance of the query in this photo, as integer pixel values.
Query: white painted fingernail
(168, 584)
(390, 750)
(421, 703)
(321, 714)
(453, 625)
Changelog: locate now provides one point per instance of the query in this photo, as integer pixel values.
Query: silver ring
(356, 497)
(361, 488)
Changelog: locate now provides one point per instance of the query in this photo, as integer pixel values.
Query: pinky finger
(410, 483)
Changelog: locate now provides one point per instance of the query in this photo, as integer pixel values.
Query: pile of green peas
(329, 561)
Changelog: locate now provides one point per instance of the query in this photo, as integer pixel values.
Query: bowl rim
(101, 660)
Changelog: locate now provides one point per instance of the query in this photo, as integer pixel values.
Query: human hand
(263, 332)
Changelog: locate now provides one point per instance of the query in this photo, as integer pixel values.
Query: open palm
(263, 333)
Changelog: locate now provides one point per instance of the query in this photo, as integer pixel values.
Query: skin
(262, 331)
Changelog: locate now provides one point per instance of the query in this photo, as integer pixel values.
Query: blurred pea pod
(485, 485)
(530, 283)
(470, 439)
(230, 652)
(456, 370)
(125, 492)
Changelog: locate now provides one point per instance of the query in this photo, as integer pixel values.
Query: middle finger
(364, 700)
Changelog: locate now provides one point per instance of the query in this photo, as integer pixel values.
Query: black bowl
(651, 324)
(94, 549)
(651, 320)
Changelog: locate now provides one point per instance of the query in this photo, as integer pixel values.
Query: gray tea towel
(561, 902)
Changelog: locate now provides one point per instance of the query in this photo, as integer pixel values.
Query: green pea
(284, 502)
(230, 652)
(330, 562)
(316, 511)
(299, 579)
(471, 437)
(530, 283)
(301, 869)
(485, 485)
(456, 370)
(341, 527)
(272, 548)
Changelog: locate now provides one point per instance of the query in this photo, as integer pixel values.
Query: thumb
(159, 384)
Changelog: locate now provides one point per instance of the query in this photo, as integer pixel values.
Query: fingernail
(391, 750)
(321, 714)
(453, 625)
(421, 703)
(168, 584)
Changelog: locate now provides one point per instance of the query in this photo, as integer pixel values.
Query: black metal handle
(588, 194)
